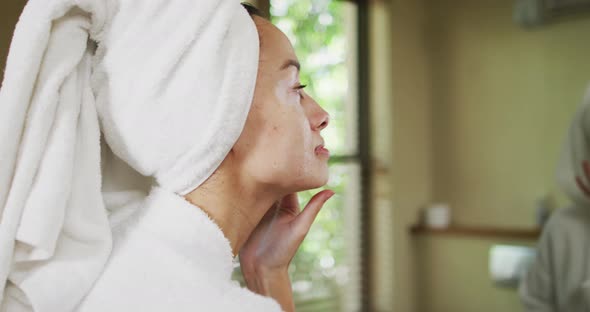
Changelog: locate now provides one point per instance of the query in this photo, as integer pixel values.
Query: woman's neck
(234, 203)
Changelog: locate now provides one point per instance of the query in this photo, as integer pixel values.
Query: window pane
(323, 33)
(325, 272)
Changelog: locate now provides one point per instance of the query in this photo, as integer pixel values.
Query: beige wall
(498, 101)
(453, 276)
(9, 13)
(502, 99)
(402, 146)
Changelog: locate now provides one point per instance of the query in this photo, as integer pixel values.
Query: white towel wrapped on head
(169, 83)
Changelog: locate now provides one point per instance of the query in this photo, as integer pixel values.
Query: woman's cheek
(282, 89)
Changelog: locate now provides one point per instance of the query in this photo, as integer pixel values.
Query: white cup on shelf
(437, 216)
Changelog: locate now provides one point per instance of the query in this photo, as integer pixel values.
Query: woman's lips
(322, 151)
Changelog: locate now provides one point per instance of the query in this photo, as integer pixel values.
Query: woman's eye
(299, 89)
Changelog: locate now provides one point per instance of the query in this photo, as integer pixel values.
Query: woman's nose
(318, 117)
(321, 118)
(324, 120)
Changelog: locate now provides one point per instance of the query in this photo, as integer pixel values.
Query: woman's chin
(314, 182)
(313, 179)
(323, 176)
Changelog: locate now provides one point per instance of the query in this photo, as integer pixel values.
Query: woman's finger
(270, 214)
(290, 204)
(307, 216)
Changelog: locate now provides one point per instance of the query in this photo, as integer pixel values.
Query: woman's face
(281, 143)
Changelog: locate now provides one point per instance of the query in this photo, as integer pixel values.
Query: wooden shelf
(489, 232)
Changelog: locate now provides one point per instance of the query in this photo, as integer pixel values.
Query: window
(326, 271)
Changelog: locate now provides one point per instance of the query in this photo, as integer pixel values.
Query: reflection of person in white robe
(559, 280)
(164, 160)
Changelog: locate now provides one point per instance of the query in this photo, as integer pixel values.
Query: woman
(559, 279)
(232, 191)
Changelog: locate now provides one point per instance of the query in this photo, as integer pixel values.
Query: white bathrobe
(170, 256)
(559, 280)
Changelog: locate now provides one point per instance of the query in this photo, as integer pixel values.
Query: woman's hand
(266, 255)
(275, 240)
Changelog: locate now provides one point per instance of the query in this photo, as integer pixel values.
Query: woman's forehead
(275, 47)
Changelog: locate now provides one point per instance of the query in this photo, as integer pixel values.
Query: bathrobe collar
(189, 231)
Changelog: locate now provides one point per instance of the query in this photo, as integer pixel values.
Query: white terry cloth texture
(576, 150)
(167, 84)
(169, 256)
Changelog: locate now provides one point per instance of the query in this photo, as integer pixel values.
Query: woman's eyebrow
(291, 62)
